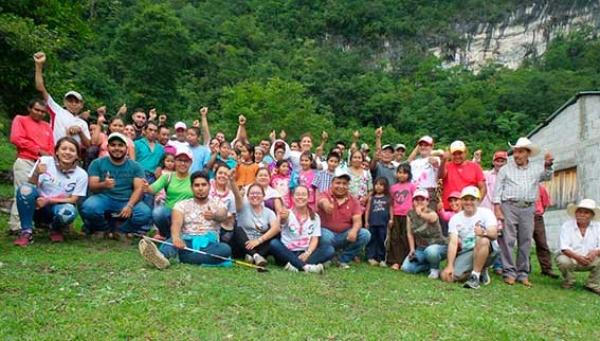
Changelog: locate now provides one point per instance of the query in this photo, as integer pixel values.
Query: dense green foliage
(293, 65)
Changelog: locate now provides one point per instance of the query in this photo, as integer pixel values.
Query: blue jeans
(376, 247)
(338, 241)
(283, 255)
(428, 258)
(185, 256)
(162, 219)
(95, 208)
(58, 215)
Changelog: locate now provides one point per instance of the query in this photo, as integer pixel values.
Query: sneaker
(314, 268)
(25, 239)
(56, 237)
(344, 265)
(485, 277)
(383, 264)
(472, 283)
(151, 254)
(373, 262)
(290, 267)
(259, 260)
(248, 259)
(434, 274)
(327, 264)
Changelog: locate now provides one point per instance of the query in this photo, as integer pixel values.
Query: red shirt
(458, 177)
(341, 219)
(542, 202)
(31, 137)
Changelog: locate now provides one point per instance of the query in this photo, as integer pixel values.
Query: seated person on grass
(195, 225)
(341, 219)
(117, 184)
(471, 248)
(580, 245)
(55, 185)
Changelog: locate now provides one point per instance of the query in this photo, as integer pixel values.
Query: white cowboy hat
(587, 204)
(524, 142)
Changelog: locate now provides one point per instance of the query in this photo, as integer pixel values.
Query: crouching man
(580, 245)
(472, 247)
(195, 225)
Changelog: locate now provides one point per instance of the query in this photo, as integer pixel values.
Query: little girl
(280, 181)
(402, 193)
(378, 219)
(305, 177)
(168, 167)
(245, 170)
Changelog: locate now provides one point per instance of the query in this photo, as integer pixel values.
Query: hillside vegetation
(293, 65)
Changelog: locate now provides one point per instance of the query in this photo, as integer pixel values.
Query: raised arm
(40, 59)
(241, 132)
(205, 129)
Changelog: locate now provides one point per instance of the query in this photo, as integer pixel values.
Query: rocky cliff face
(524, 33)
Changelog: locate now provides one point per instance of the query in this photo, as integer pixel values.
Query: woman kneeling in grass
(55, 185)
(426, 242)
(299, 246)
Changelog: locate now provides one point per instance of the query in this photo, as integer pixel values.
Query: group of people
(209, 199)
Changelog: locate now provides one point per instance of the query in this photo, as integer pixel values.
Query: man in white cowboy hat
(579, 244)
(515, 193)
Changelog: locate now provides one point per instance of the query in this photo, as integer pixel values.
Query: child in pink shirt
(305, 176)
(402, 193)
(280, 181)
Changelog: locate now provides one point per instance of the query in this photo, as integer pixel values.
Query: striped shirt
(520, 183)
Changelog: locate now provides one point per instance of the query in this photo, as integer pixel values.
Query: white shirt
(61, 120)
(571, 238)
(179, 145)
(55, 184)
(424, 174)
(296, 236)
(464, 226)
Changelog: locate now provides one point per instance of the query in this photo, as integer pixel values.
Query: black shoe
(550, 274)
(472, 283)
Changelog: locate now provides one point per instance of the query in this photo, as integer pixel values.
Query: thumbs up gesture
(208, 214)
(109, 182)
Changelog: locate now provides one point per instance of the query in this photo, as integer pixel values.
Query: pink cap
(184, 151)
(421, 192)
(427, 139)
(500, 155)
(180, 125)
(455, 194)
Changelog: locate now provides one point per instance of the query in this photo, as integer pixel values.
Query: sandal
(396, 266)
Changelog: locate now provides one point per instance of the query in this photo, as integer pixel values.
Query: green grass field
(84, 290)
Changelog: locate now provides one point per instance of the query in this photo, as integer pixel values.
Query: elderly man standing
(515, 193)
(580, 245)
(341, 220)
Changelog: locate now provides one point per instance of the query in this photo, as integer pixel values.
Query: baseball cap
(341, 172)
(184, 151)
(118, 136)
(387, 146)
(470, 191)
(400, 145)
(74, 94)
(364, 147)
(421, 192)
(180, 125)
(458, 146)
(427, 139)
(455, 194)
(500, 155)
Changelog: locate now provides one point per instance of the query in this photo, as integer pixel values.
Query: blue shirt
(122, 174)
(201, 156)
(147, 158)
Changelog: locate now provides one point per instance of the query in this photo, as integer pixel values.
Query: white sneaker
(248, 259)
(434, 274)
(344, 266)
(150, 253)
(383, 264)
(314, 268)
(290, 267)
(259, 260)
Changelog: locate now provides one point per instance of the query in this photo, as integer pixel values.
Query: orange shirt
(245, 173)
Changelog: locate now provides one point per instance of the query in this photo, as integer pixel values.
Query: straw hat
(524, 142)
(587, 204)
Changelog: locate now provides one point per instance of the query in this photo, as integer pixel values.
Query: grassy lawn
(84, 290)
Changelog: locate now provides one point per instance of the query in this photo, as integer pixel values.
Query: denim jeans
(162, 219)
(58, 215)
(376, 247)
(21, 170)
(427, 258)
(282, 255)
(95, 208)
(338, 241)
(185, 256)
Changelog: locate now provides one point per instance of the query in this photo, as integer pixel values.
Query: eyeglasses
(183, 161)
(255, 194)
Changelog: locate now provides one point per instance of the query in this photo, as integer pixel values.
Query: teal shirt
(147, 158)
(122, 174)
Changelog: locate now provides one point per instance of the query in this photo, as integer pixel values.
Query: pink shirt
(542, 202)
(31, 137)
(306, 178)
(402, 194)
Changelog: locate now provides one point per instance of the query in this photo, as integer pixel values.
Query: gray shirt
(520, 183)
(254, 224)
